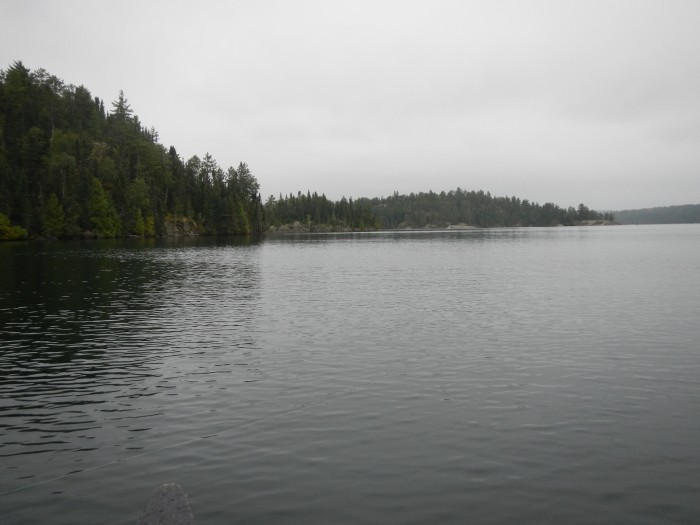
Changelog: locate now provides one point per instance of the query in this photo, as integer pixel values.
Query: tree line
(70, 168)
(423, 210)
(475, 208)
(683, 214)
(317, 212)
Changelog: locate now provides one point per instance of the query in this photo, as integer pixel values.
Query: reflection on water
(529, 375)
(95, 329)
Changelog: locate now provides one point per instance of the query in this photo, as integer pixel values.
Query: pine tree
(103, 216)
(54, 219)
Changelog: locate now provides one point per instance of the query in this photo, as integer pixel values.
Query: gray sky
(562, 101)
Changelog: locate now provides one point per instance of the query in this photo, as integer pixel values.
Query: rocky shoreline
(299, 227)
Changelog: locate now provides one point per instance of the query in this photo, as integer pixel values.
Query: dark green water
(497, 376)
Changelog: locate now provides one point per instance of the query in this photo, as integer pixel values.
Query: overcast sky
(561, 101)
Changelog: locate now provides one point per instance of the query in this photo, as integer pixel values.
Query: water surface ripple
(489, 376)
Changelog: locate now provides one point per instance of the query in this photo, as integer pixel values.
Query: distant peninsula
(69, 168)
(456, 209)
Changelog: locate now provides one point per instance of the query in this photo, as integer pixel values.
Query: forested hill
(422, 210)
(70, 168)
(688, 213)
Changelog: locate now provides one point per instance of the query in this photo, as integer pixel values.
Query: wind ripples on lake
(530, 375)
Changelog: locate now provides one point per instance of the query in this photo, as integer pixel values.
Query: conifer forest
(72, 166)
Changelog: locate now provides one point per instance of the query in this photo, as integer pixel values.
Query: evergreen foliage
(68, 168)
(687, 213)
(54, 219)
(423, 210)
(474, 208)
(316, 211)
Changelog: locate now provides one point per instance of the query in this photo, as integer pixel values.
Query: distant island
(688, 213)
(71, 169)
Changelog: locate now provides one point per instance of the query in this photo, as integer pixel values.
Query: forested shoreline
(69, 168)
(422, 210)
(682, 214)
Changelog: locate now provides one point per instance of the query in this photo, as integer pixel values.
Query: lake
(487, 376)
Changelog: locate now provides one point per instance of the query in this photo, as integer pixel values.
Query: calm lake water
(490, 376)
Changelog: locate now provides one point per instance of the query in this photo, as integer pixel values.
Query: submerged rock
(168, 506)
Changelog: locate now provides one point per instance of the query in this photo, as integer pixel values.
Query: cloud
(550, 100)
